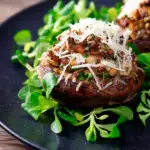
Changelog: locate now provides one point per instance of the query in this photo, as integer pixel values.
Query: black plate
(38, 134)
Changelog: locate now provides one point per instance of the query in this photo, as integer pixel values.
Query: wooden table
(7, 8)
(8, 142)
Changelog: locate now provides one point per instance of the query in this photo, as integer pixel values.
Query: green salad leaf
(143, 108)
(91, 134)
(68, 8)
(122, 111)
(22, 37)
(33, 80)
(19, 57)
(109, 131)
(36, 104)
(25, 92)
(56, 126)
(144, 61)
(110, 14)
(69, 118)
(82, 11)
(49, 82)
(32, 105)
(105, 130)
(28, 46)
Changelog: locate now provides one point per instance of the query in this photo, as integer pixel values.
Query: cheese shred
(96, 79)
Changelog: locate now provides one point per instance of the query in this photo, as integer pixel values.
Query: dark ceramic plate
(38, 134)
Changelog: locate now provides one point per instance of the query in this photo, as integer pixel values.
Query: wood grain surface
(8, 142)
(8, 8)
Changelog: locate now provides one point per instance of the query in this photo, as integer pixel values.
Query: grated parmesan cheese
(87, 65)
(107, 85)
(63, 72)
(111, 64)
(78, 86)
(79, 58)
(65, 52)
(67, 78)
(74, 79)
(96, 79)
(103, 63)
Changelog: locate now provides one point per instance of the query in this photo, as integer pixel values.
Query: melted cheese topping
(129, 7)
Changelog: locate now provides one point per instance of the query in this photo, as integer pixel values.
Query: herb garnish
(85, 76)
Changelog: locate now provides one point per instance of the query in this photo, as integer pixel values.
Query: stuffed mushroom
(135, 15)
(93, 65)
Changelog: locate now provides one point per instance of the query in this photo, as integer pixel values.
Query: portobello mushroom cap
(89, 97)
(90, 73)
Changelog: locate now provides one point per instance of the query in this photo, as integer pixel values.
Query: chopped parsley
(85, 76)
(105, 75)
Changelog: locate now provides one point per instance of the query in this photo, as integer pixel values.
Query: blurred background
(10, 7)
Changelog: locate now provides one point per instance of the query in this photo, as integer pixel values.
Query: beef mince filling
(139, 23)
(93, 68)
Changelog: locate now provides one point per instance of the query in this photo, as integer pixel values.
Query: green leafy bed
(36, 95)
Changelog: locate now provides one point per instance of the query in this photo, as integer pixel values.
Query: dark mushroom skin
(139, 24)
(89, 97)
